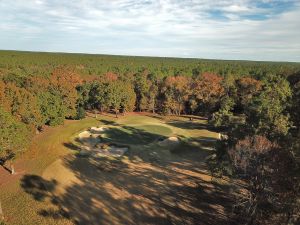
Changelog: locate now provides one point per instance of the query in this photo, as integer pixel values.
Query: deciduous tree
(176, 92)
(207, 89)
(14, 137)
(266, 112)
(65, 81)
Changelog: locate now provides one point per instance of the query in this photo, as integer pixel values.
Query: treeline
(263, 148)
(265, 103)
(22, 64)
(255, 104)
(27, 105)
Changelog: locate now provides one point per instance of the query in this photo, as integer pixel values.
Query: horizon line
(149, 56)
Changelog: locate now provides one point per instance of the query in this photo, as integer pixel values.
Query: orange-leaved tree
(176, 91)
(65, 81)
(208, 89)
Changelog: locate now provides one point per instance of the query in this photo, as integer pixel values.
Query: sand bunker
(91, 144)
(110, 151)
(97, 129)
(84, 134)
(171, 141)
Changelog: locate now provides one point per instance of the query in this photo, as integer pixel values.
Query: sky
(267, 30)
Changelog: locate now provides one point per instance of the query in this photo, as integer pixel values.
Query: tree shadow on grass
(72, 146)
(38, 187)
(134, 193)
(108, 122)
(184, 148)
(183, 117)
(174, 190)
(189, 125)
(131, 135)
(121, 134)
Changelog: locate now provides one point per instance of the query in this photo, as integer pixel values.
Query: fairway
(150, 184)
(130, 112)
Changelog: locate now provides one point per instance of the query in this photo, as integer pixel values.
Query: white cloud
(197, 28)
(236, 8)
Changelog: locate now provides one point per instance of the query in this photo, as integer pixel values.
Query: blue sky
(222, 29)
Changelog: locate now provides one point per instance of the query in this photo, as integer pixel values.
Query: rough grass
(150, 185)
(19, 207)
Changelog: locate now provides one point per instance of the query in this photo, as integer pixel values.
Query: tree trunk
(179, 109)
(12, 169)
(116, 113)
(153, 105)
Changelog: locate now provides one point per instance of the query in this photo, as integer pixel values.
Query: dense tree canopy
(256, 103)
(14, 136)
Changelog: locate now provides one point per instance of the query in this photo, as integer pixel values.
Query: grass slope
(150, 185)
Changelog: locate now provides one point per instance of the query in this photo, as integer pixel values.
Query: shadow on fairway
(128, 135)
(175, 190)
(39, 188)
(192, 125)
(107, 122)
(147, 194)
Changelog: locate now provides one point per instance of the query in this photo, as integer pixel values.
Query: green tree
(153, 92)
(114, 96)
(14, 137)
(128, 98)
(176, 92)
(224, 115)
(64, 81)
(52, 108)
(141, 88)
(247, 88)
(99, 94)
(266, 113)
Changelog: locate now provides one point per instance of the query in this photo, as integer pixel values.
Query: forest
(254, 105)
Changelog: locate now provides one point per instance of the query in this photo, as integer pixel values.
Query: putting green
(137, 134)
(155, 129)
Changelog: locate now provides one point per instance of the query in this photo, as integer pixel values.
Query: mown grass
(155, 129)
(136, 134)
(20, 208)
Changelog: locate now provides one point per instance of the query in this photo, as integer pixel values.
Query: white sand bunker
(88, 139)
(84, 134)
(91, 132)
(97, 129)
(171, 141)
(114, 151)
(91, 144)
